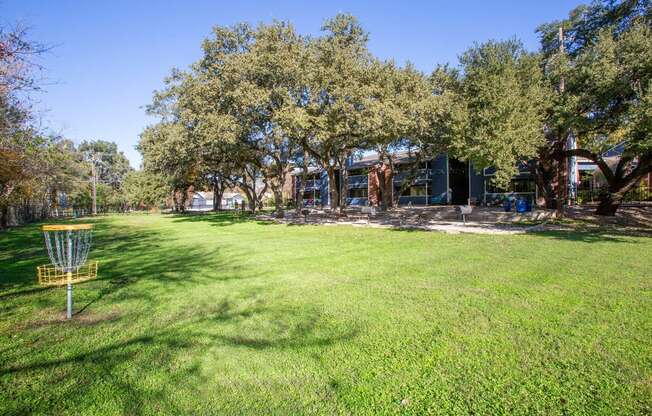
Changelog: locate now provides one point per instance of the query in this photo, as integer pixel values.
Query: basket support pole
(69, 275)
(69, 295)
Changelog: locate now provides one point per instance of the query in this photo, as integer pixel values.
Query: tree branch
(597, 159)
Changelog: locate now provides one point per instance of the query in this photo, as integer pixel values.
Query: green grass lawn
(217, 314)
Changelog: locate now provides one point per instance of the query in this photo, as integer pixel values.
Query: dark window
(586, 180)
(355, 172)
(521, 185)
(311, 194)
(358, 193)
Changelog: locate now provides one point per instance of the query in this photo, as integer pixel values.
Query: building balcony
(311, 184)
(420, 176)
(358, 181)
(357, 201)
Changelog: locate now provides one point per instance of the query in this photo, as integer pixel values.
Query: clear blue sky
(109, 56)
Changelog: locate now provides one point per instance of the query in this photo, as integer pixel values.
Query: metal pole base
(69, 303)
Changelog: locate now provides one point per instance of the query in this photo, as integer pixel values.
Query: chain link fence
(25, 213)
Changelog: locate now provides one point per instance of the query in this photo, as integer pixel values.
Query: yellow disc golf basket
(49, 275)
(68, 247)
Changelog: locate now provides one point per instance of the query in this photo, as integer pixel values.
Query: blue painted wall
(437, 186)
(439, 167)
(477, 184)
(324, 188)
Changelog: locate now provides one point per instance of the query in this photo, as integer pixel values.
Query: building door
(458, 181)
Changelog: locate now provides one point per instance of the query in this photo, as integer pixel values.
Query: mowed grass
(217, 314)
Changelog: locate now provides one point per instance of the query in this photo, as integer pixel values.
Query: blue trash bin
(521, 205)
(507, 205)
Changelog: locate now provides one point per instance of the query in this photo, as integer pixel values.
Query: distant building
(203, 201)
(445, 180)
(438, 181)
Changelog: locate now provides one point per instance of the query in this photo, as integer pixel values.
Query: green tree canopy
(605, 65)
(504, 97)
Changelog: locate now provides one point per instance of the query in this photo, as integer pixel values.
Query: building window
(358, 193)
(311, 197)
(523, 185)
(518, 185)
(357, 172)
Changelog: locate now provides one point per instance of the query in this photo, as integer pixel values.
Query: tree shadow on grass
(174, 350)
(595, 234)
(127, 255)
(576, 233)
(218, 219)
(116, 341)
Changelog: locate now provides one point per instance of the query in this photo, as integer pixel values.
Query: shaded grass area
(221, 314)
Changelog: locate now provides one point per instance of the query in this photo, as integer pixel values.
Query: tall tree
(401, 117)
(606, 68)
(21, 145)
(503, 91)
(259, 84)
(167, 150)
(112, 165)
(108, 166)
(332, 117)
(144, 189)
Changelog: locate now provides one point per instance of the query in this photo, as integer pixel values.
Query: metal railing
(421, 175)
(356, 180)
(312, 184)
(638, 194)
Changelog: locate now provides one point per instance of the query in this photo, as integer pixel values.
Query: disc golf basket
(68, 247)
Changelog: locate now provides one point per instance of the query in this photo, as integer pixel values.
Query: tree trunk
(345, 184)
(386, 187)
(216, 201)
(332, 187)
(610, 201)
(182, 200)
(382, 202)
(544, 172)
(561, 176)
(250, 197)
(620, 181)
(218, 191)
(302, 186)
(278, 202)
(4, 217)
(609, 204)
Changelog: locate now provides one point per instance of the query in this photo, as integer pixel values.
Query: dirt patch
(85, 318)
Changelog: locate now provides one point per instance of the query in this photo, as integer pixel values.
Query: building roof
(204, 195)
(208, 195)
(372, 158)
(311, 169)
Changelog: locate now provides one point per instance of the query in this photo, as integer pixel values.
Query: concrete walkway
(443, 219)
(482, 221)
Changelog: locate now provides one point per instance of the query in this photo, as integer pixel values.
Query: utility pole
(562, 164)
(94, 183)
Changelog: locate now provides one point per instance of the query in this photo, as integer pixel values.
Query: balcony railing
(420, 175)
(357, 201)
(312, 184)
(358, 181)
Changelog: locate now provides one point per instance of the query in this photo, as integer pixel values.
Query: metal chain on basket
(66, 252)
